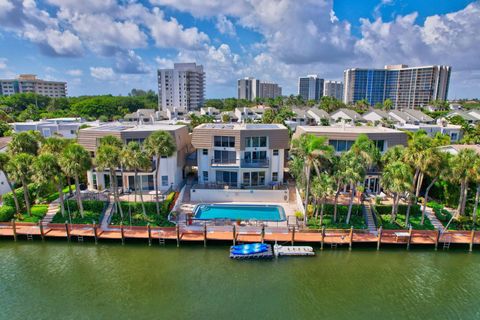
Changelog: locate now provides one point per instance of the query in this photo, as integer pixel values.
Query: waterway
(58, 280)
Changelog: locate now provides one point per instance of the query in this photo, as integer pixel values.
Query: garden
(92, 212)
(357, 220)
(444, 215)
(383, 214)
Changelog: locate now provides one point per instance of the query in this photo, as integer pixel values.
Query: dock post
(177, 231)
(122, 233)
(472, 238)
(234, 234)
(205, 234)
(379, 238)
(14, 228)
(67, 230)
(40, 225)
(95, 232)
(409, 237)
(323, 238)
(351, 238)
(263, 233)
(293, 235)
(437, 239)
(149, 229)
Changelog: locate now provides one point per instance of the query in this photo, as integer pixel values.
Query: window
(94, 181)
(255, 156)
(454, 136)
(205, 152)
(256, 142)
(205, 176)
(227, 177)
(255, 178)
(380, 144)
(221, 156)
(225, 142)
(275, 152)
(164, 181)
(275, 176)
(341, 145)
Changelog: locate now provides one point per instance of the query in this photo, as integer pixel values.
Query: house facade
(172, 169)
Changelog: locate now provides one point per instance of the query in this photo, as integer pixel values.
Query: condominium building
(333, 89)
(407, 87)
(310, 87)
(181, 88)
(240, 155)
(172, 169)
(25, 83)
(251, 88)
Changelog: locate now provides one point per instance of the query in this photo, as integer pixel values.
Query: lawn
(38, 212)
(462, 223)
(384, 217)
(357, 220)
(92, 210)
(133, 213)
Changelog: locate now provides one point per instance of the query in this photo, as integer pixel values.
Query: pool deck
(242, 234)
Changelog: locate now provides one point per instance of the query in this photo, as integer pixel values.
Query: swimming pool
(239, 212)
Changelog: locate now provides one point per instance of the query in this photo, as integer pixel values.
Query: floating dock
(265, 254)
(293, 250)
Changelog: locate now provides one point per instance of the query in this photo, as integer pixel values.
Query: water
(57, 280)
(240, 212)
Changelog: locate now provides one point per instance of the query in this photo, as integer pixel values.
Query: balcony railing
(255, 163)
(225, 163)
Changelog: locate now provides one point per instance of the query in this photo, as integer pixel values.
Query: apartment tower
(310, 87)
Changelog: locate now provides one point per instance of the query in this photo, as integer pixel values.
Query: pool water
(239, 212)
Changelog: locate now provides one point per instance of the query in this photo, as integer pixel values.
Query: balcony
(225, 163)
(255, 163)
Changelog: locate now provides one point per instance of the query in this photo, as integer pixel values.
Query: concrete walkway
(53, 208)
(107, 216)
(433, 219)
(369, 217)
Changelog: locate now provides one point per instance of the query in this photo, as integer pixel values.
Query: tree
(225, 117)
(322, 187)
(268, 116)
(20, 169)
(108, 158)
(4, 163)
(397, 179)
(475, 171)
(75, 161)
(134, 158)
(315, 152)
(461, 166)
(24, 142)
(159, 144)
(387, 104)
(46, 169)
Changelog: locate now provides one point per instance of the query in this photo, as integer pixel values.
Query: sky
(112, 46)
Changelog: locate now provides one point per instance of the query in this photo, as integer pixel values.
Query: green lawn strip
(442, 214)
(384, 213)
(357, 220)
(93, 210)
(38, 212)
(54, 196)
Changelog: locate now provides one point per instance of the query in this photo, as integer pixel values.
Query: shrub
(9, 201)
(6, 213)
(299, 215)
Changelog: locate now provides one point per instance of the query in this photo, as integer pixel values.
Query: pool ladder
(161, 241)
(29, 237)
(80, 238)
(333, 245)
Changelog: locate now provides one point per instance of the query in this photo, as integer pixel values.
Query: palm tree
(353, 173)
(115, 142)
(159, 144)
(437, 168)
(476, 177)
(108, 157)
(315, 152)
(397, 179)
(75, 161)
(461, 166)
(24, 142)
(134, 158)
(322, 187)
(20, 169)
(46, 168)
(4, 161)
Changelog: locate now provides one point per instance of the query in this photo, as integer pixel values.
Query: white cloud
(129, 62)
(102, 73)
(55, 42)
(85, 6)
(225, 26)
(3, 63)
(74, 72)
(208, 8)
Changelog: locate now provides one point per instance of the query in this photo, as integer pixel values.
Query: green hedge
(38, 212)
(357, 220)
(384, 214)
(9, 201)
(54, 196)
(92, 210)
(6, 213)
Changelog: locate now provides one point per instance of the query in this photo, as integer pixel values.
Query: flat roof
(352, 129)
(242, 126)
(117, 127)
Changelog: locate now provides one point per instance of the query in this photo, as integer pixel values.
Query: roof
(352, 129)
(379, 112)
(455, 148)
(319, 113)
(119, 127)
(4, 141)
(351, 113)
(463, 114)
(419, 115)
(242, 126)
(403, 115)
(300, 112)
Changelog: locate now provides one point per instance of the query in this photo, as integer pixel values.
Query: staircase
(53, 208)
(368, 214)
(433, 219)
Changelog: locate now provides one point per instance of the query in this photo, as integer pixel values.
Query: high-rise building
(181, 88)
(412, 87)
(251, 88)
(310, 87)
(30, 83)
(333, 89)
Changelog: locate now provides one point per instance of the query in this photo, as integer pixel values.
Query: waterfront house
(172, 169)
(210, 111)
(341, 138)
(145, 116)
(60, 127)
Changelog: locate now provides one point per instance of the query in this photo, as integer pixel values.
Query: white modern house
(60, 127)
(172, 169)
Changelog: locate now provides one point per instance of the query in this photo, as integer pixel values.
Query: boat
(251, 251)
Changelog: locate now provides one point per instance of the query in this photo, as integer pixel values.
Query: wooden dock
(242, 234)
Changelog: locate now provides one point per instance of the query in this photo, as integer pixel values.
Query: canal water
(57, 280)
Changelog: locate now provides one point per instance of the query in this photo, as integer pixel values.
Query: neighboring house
(346, 115)
(175, 114)
(61, 127)
(210, 111)
(375, 115)
(240, 155)
(453, 131)
(454, 149)
(246, 114)
(455, 106)
(469, 118)
(410, 116)
(231, 115)
(475, 113)
(341, 138)
(318, 115)
(301, 118)
(4, 188)
(172, 169)
(143, 116)
(420, 116)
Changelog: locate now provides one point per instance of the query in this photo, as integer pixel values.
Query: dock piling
(293, 235)
(437, 239)
(67, 229)
(379, 237)
(472, 238)
(323, 238)
(122, 232)
(205, 234)
(95, 232)
(14, 228)
(42, 234)
(350, 238)
(177, 231)
(263, 233)
(409, 237)
(234, 234)
(149, 229)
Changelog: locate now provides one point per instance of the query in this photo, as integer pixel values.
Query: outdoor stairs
(53, 208)
(107, 216)
(433, 219)
(367, 212)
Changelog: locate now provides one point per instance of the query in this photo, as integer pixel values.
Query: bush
(6, 213)
(357, 220)
(9, 201)
(384, 213)
(54, 196)
(92, 210)
(38, 212)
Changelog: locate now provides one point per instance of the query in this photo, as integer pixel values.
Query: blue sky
(111, 46)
